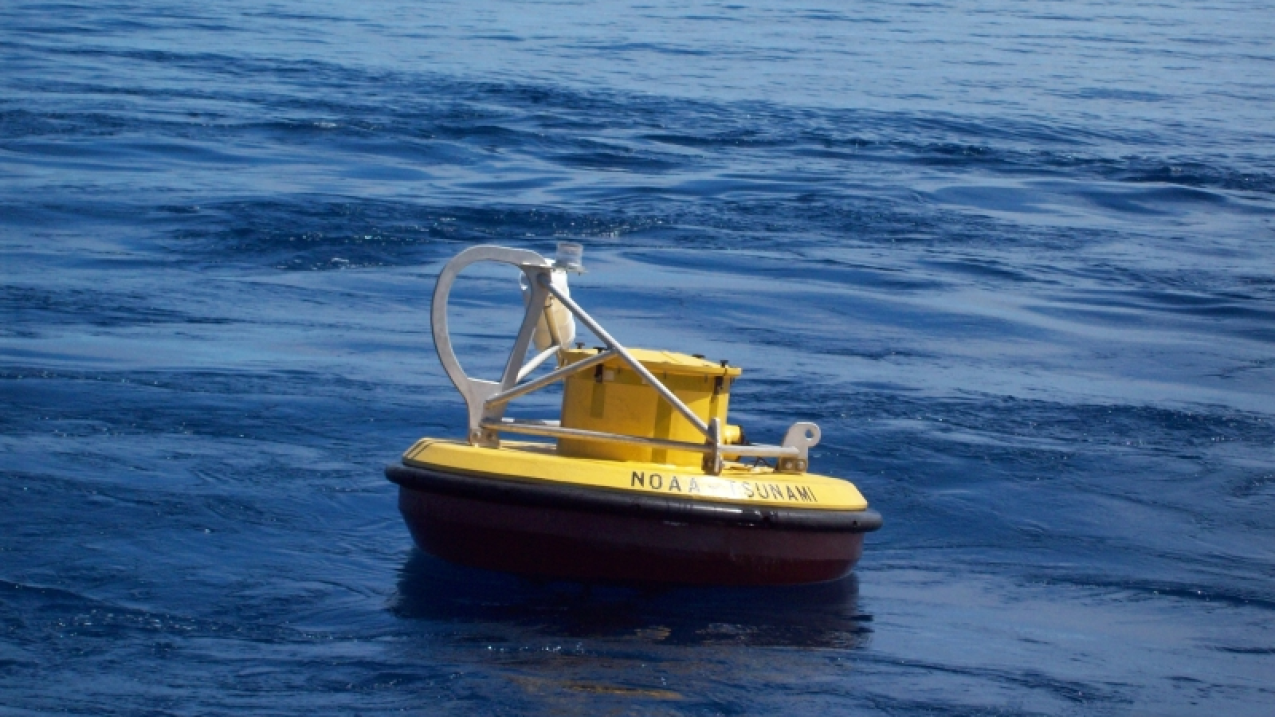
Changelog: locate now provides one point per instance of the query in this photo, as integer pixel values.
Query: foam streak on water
(1015, 260)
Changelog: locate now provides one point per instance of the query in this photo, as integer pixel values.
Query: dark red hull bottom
(566, 543)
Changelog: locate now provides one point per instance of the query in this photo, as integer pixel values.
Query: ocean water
(1017, 260)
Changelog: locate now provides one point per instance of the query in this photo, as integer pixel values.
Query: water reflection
(823, 615)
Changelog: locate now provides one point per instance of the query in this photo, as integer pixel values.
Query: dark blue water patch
(386, 174)
(66, 614)
(643, 47)
(871, 315)
(69, 632)
(1248, 650)
(824, 615)
(1223, 304)
(1003, 199)
(1138, 202)
(505, 38)
(990, 270)
(312, 233)
(1078, 693)
(185, 509)
(280, 406)
(649, 111)
(1211, 588)
(19, 124)
(1187, 172)
(1029, 441)
(46, 309)
(47, 225)
(1180, 432)
(826, 218)
(732, 138)
(619, 159)
(768, 133)
(1224, 313)
(1111, 93)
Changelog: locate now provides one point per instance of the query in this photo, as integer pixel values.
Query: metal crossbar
(633, 363)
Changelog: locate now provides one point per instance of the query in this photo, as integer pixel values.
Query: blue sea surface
(1017, 260)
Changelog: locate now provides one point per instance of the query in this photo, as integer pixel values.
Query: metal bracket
(801, 436)
(713, 462)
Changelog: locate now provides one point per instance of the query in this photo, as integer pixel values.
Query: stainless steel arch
(477, 391)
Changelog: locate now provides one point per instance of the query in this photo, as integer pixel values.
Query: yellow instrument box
(613, 398)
